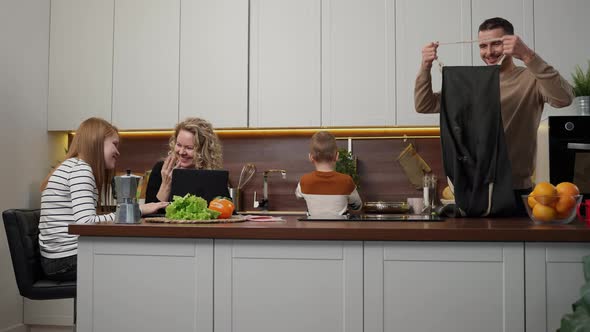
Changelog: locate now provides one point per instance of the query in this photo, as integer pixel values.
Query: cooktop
(373, 217)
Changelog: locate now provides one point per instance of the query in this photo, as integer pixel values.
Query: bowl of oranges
(549, 204)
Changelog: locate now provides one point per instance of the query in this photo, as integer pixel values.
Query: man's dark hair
(497, 22)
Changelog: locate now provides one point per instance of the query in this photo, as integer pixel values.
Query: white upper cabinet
(358, 63)
(561, 39)
(146, 64)
(418, 22)
(285, 63)
(214, 61)
(80, 62)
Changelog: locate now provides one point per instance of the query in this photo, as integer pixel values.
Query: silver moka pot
(127, 207)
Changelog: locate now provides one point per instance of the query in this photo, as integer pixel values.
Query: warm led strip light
(356, 132)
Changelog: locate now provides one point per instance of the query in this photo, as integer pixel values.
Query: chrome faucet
(263, 203)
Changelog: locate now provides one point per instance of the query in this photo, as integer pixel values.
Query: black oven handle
(578, 146)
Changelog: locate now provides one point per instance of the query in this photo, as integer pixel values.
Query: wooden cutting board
(208, 221)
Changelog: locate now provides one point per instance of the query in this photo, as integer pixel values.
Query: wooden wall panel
(380, 174)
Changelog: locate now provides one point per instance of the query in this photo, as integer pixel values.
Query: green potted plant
(346, 164)
(581, 82)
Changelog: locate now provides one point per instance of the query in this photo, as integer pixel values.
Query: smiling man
(523, 93)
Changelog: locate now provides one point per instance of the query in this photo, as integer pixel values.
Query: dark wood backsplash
(381, 176)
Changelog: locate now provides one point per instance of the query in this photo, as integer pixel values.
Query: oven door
(569, 151)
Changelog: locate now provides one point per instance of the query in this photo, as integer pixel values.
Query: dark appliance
(569, 151)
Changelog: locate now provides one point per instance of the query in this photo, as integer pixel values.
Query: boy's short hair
(323, 146)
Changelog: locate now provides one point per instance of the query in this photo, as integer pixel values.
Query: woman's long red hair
(88, 145)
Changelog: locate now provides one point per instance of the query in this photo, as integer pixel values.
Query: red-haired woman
(72, 192)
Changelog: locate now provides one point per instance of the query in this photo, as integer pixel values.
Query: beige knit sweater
(523, 93)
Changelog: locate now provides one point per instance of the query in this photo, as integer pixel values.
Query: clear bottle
(429, 186)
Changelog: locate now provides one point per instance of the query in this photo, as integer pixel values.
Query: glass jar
(429, 186)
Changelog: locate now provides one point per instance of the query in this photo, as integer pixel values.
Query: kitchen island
(456, 275)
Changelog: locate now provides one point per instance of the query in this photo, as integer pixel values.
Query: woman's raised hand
(170, 164)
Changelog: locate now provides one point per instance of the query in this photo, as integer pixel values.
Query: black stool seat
(22, 232)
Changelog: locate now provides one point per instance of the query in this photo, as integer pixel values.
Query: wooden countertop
(461, 229)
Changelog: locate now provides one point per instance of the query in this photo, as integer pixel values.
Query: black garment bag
(472, 136)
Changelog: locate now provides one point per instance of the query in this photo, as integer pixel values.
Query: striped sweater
(70, 197)
(328, 193)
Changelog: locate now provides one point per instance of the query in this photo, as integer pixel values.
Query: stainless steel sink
(374, 217)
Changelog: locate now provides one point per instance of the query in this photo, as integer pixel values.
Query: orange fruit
(544, 213)
(565, 204)
(563, 215)
(545, 193)
(531, 200)
(567, 188)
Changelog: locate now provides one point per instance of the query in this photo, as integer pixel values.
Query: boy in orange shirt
(327, 192)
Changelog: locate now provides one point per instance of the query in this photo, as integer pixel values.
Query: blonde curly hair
(207, 152)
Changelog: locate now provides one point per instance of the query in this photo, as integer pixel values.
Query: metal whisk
(246, 175)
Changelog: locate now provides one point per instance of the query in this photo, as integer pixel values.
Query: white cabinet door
(145, 284)
(80, 62)
(285, 63)
(554, 275)
(145, 64)
(214, 61)
(358, 63)
(443, 286)
(519, 13)
(561, 38)
(268, 286)
(418, 22)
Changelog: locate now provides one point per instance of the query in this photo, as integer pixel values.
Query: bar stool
(22, 232)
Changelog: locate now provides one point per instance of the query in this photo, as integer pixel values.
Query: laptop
(204, 183)
(207, 184)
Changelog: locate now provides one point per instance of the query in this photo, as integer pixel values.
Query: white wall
(24, 49)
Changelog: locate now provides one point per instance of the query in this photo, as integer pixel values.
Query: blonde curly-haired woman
(193, 145)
